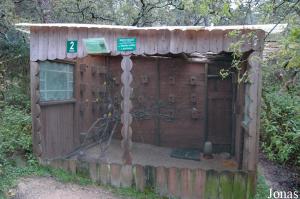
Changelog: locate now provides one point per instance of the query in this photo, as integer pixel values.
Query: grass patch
(262, 189)
(11, 175)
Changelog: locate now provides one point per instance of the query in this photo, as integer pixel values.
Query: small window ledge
(57, 102)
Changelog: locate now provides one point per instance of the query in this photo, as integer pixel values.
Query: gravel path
(49, 188)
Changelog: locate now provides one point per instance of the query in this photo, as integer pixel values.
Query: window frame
(60, 101)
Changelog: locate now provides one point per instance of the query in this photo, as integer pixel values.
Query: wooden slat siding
(219, 104)
(43, 44)
(161, 185)
(104, 171)
(253, 93)
(34, 44)
(175, 41)
(251, 185)
(76, 94)
(163, 44)
(126, 176)
(87, 117)
(148, 49)
(192, 47)
(226, 185)
(239, 185)
(212, 185)
(83, 34)
(72, 35)
(203, 41)
(173, 183)
(226, 41)
(115, 170)
(216, 41)
(93, 169)
(144, 130)
(150, 176)
(149, 41)
(37, 138)
(171, 131)
(63, 32)
(57, 122)
(199, 186)
(139, 178)
(52, 44)
(187, 183)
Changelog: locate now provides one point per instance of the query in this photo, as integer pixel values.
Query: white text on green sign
(72, 46)
(126, 44)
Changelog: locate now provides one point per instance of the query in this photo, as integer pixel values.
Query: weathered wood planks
(50, 42)
(126, 106)
(169, 182)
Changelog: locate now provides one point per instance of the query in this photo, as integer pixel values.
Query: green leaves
(281, 127)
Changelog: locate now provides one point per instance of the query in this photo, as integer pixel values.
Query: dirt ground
(158, 156)
(279, 177)
(49, 188)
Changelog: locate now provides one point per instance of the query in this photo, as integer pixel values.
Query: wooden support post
(126, 106)
(36, 109)
(252, 112)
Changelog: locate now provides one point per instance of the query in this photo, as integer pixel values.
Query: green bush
(15, 132)
(281, 126)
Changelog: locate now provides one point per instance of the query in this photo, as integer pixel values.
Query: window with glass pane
(56, 81)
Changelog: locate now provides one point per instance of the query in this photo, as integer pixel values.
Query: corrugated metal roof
(265, 27)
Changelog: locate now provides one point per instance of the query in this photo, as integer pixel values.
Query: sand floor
(49, 188)
(146, 154)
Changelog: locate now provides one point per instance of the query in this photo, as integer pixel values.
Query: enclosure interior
(178, 102)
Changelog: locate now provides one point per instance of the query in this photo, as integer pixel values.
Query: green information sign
(126, 44)
(72, 46)
(95, 45)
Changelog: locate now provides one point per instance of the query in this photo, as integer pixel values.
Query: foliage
(262, 189)
(15, 132)
(281, 126)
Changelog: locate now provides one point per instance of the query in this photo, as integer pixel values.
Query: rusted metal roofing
(48, 41)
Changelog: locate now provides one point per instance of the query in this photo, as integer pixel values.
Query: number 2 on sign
(72, 45)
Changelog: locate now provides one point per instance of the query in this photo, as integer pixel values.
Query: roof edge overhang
(48, 41)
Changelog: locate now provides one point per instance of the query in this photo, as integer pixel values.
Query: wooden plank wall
(50, 43)
(165, 82)
(163, 101)
(219, 104)
(58, 129)
(168, 182)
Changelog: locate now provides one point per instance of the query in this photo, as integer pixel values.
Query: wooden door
(219, 113)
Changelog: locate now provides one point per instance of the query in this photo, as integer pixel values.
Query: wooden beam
(36, 109)
(126, 106)
(252, 111)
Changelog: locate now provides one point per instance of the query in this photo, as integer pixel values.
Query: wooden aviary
(117, 111)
